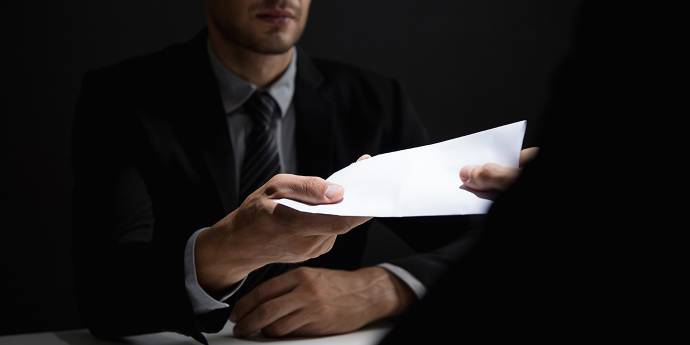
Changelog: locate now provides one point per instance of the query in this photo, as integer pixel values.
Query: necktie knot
(262, 108)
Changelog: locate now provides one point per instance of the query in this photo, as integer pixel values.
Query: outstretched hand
(492, 176)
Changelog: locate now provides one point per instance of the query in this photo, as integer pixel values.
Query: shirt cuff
(417, 287)
(202, 302)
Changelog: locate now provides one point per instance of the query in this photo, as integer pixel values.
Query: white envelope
(421, 181)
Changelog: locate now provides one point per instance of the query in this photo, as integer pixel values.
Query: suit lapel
(206, 121)
(314, 121)
(220, 160)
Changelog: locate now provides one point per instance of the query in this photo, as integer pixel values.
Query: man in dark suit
(568, 251)
(177, 157)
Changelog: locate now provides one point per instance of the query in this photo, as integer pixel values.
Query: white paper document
(421, 181)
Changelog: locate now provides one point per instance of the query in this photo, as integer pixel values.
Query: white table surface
(367, 336)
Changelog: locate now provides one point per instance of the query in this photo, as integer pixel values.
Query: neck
(258, 69)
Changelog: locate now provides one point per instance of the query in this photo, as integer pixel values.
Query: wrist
(219, 261)
(389, 295)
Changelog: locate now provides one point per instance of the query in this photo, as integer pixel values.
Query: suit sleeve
(439, 241)
(130, 279)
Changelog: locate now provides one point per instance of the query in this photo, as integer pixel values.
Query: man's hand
(314, 301)
(494, 177)
(260, 231)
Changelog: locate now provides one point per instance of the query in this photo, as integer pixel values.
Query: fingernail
(363, 157)
(465, 173)
(334, 191)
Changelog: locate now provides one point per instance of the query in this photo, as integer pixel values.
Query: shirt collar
(235, 91)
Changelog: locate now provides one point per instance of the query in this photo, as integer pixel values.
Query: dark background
(467, 66)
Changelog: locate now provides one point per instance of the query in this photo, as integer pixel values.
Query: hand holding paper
(492, 177)
(421, 181)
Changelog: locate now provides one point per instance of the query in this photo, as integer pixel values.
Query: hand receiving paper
(494, 177)
(490, 176)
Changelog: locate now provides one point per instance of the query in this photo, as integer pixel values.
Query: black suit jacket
(153, 164)
(561, 256)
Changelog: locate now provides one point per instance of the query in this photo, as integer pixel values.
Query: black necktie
(261, 160)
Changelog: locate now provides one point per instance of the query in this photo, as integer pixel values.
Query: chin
(263, 41)
(272, 46)
(274, 50)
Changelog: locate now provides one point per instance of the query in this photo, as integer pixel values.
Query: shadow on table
(367, 336)
(85, 338)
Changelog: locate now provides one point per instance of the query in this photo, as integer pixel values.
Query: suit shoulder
(139, 70)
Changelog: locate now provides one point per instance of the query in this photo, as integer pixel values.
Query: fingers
(306, 189)
(488, 177)
(363, 157)
(290, 324)
(270, 312)
(316, 224)
(270, 289)
(465, 173)
(492, 176)
(528, 154)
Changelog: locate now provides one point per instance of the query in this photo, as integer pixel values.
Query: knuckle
(303, 273)
(263, 206)
(262, 312)
(272, 187)
(277, 178)
(313, 290)
(255, 209)
(276, 184)
(311, 286)
(476, 173)
(271, 190)
(484, 172)
(319, 296)
(313, 185)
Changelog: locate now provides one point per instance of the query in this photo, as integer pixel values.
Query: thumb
(528, 155)
(488, 177)
(307, 189)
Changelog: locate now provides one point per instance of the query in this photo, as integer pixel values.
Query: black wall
(467, 65)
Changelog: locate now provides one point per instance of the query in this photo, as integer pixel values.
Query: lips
(275, 15)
